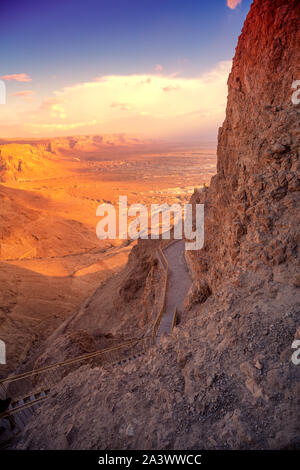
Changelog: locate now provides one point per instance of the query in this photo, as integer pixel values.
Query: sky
(154, 69)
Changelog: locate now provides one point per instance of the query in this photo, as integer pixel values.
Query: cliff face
(250, 208)
(225, 378)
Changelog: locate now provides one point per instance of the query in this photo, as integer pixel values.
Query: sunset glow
(146, 105)
(91, 79)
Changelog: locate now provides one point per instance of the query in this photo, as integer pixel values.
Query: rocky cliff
(225, 378)
(251, 204)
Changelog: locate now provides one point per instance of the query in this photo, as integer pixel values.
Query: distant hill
(21, 158)
(26, 161)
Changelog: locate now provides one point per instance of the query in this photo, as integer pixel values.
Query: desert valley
(51, 258)
(122, 344)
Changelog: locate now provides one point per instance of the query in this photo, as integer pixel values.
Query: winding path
(179, 282)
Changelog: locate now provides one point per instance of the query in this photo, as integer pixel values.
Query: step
(22, 416)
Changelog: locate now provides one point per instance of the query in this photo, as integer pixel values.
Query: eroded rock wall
(251, 206)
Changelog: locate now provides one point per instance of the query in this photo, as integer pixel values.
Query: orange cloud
(145, 105)
(23, 93)
(73, 125)
(170, 88)
(122, 106)
(232, 4)
(18, 77)
(55, 106)
(159, 68)
(48, 103)
(148, 80)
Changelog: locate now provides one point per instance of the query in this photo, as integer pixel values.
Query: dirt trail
(179, 282)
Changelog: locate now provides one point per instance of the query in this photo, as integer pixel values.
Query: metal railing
(162, 308)
(175, 317)
(44, 378)
(29, 389)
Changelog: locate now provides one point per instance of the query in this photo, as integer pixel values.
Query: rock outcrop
(225, 378)
(19, 162)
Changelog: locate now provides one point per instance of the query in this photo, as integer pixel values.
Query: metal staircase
(30, 389)
(14, 420)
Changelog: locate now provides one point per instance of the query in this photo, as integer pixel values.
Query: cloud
(159, 68)
(18, 77)
(170, 88)
(55, 106)
(48, 103)
(146, 105)
(73, 125)
(150, 105)
(25, 94)
(232, 4)
(148, 80)
(122, 106)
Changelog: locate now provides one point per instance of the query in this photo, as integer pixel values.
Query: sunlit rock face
(251, 216)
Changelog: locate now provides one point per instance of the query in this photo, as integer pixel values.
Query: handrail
(51, 379)
(52, 369)
(83, 357)
(164, 259)
(174, 322)
(128, 344)
(161, 311)
(24, 406)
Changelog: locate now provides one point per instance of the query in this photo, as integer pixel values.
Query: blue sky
(62, 43)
